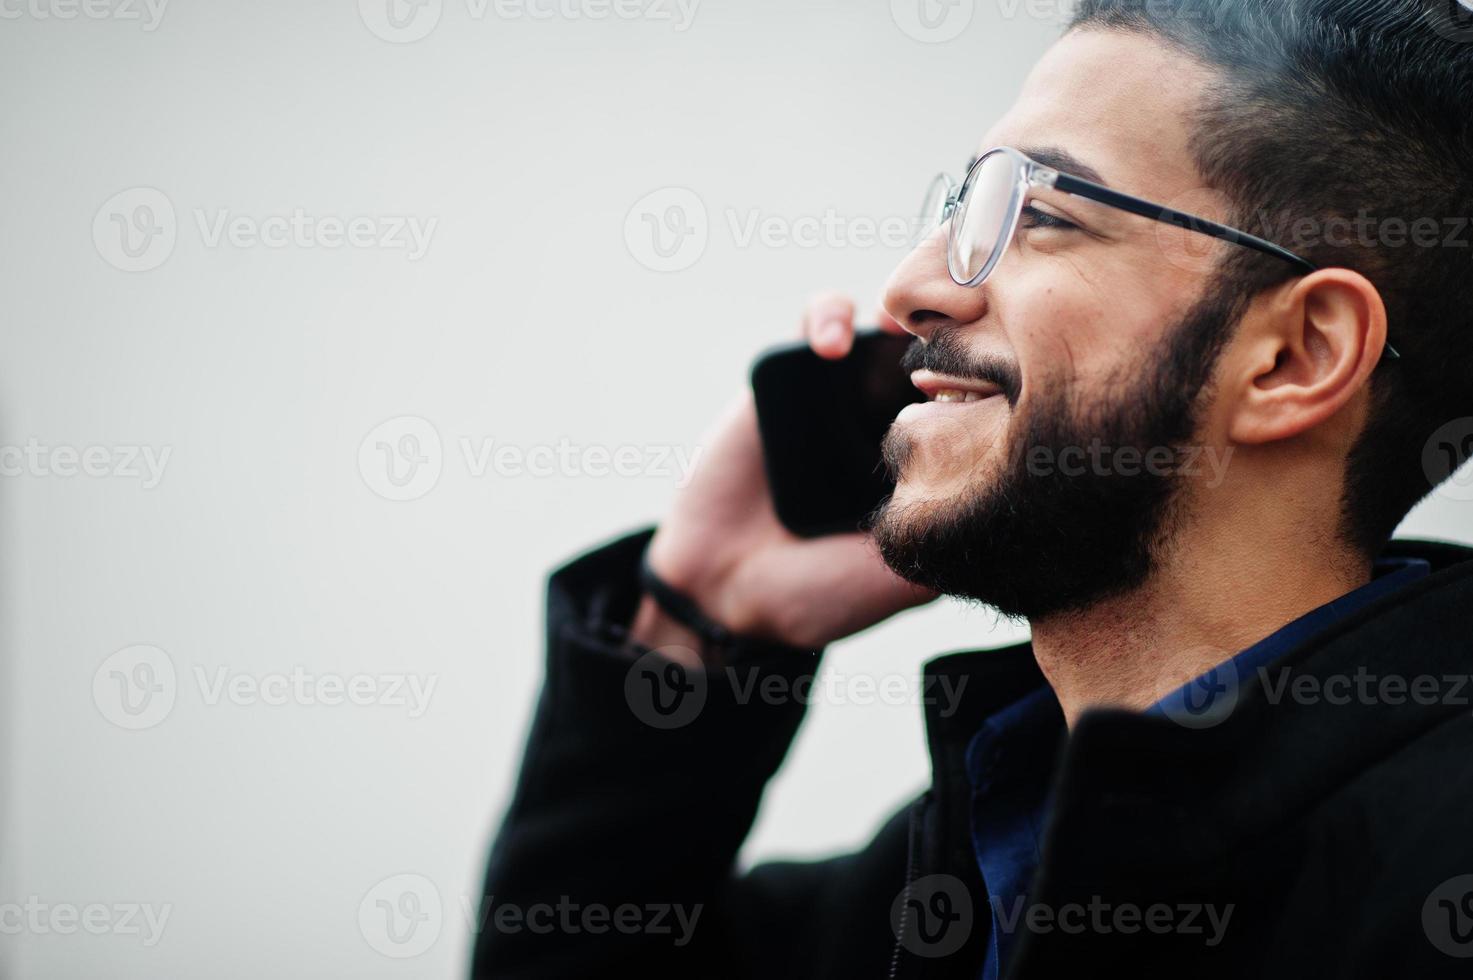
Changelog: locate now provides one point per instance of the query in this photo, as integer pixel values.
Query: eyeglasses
(984, 214)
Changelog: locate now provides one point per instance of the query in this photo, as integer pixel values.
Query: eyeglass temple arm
(1191, 222)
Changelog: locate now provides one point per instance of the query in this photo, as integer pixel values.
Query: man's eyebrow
(1064, 162)
(1056, 159)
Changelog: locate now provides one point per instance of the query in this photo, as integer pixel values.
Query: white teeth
(956, 395)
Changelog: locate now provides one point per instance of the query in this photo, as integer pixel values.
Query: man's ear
(1303, 352)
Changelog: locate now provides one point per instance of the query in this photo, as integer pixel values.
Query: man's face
(1086, 339)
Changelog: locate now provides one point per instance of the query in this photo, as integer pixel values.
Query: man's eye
(1034, 218)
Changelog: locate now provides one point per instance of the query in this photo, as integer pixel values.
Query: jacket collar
(1171, 793)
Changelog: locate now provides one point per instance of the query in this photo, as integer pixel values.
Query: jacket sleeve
(617, 853)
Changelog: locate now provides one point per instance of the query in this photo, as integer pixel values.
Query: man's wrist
(655, 629)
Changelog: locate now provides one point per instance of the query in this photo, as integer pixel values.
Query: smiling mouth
(944, 388)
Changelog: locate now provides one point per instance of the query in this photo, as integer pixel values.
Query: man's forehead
(1120, 104)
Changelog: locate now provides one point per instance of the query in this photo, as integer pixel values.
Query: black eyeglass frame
(1031, 174)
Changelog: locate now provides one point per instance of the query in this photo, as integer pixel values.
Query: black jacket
(1335, 828)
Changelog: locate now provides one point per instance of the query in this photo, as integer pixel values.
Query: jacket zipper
(910, 870)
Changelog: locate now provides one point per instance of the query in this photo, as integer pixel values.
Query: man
(1238, 742)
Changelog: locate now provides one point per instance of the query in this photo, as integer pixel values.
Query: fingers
(828, 325)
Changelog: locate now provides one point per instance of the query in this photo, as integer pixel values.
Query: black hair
(1343, 116)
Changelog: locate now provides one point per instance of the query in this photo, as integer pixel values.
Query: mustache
(946, 353)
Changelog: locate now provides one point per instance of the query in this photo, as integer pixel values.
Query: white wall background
(529, 320)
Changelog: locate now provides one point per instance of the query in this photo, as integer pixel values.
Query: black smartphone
(822, 423)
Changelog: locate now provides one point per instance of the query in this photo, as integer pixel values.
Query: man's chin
(933, 476)
(922, 538)
(917, 500)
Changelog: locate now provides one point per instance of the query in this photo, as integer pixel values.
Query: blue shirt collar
(1010, 759)
(1217, 687)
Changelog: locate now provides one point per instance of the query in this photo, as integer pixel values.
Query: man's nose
(921, 295)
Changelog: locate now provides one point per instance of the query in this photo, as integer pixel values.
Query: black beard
(1035, 541)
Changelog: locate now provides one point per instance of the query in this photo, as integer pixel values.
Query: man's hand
(722, 544)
